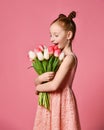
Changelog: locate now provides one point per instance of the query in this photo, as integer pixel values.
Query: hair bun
(72, 15)
(62, 16)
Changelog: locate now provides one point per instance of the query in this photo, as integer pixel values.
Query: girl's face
(58, 35)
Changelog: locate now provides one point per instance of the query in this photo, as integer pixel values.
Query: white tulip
(40, 56)
(31, 55)
(61, 57)
(46, 54)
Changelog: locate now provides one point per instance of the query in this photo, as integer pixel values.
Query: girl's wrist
(40, 80)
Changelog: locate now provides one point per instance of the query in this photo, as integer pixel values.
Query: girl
(63, 114)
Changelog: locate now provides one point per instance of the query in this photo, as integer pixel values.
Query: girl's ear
(69, 35)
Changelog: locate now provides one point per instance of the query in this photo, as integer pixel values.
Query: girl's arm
(45, 77)
(61, 74)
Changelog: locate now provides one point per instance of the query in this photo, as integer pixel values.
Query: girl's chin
(60, 46)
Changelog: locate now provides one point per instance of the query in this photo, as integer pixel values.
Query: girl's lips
(55, 43)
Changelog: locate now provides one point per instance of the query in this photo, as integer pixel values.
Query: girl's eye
(56, 35)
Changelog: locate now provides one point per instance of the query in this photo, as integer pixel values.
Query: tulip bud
(51, 50)
(57, 52)
(61, 56)
(55, 47)
(44, 46)
(39, 54)
(46, 54)
(31, 55)
(41, 47)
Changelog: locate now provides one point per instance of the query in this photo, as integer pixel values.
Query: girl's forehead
(56, 27)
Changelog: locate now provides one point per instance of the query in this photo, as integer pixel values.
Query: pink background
(23, 25)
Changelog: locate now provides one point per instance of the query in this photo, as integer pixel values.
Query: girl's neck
(68, 49)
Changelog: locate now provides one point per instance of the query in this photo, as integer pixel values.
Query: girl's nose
(52, 39)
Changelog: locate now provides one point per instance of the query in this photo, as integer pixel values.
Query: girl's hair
(67, 22)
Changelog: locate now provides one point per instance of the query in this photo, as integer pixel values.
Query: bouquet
(45, 59)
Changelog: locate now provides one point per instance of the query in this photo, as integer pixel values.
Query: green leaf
(49, 66)
(55, 64)
(45, 63)
(38, 66)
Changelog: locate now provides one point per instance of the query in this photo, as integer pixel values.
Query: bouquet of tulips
(45, 59)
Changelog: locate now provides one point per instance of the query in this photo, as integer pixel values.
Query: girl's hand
(45, 77)
(36, 92)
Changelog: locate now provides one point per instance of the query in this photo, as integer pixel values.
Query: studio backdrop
(24, 24)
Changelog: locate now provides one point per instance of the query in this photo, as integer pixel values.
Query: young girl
(63, 114)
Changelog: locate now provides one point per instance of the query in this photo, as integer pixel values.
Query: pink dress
(63, 114)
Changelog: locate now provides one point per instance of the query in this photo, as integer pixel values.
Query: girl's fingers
(51, 72)
(36, 92)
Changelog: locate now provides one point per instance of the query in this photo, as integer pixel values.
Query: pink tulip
(57, 52)
(37, 50)
(51, 50)
(41, 47)
(55, 47)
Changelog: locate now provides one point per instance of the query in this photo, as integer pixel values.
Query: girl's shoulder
(70, 60)
(73, 56)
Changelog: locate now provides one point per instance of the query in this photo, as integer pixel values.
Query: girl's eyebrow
(54, 33)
